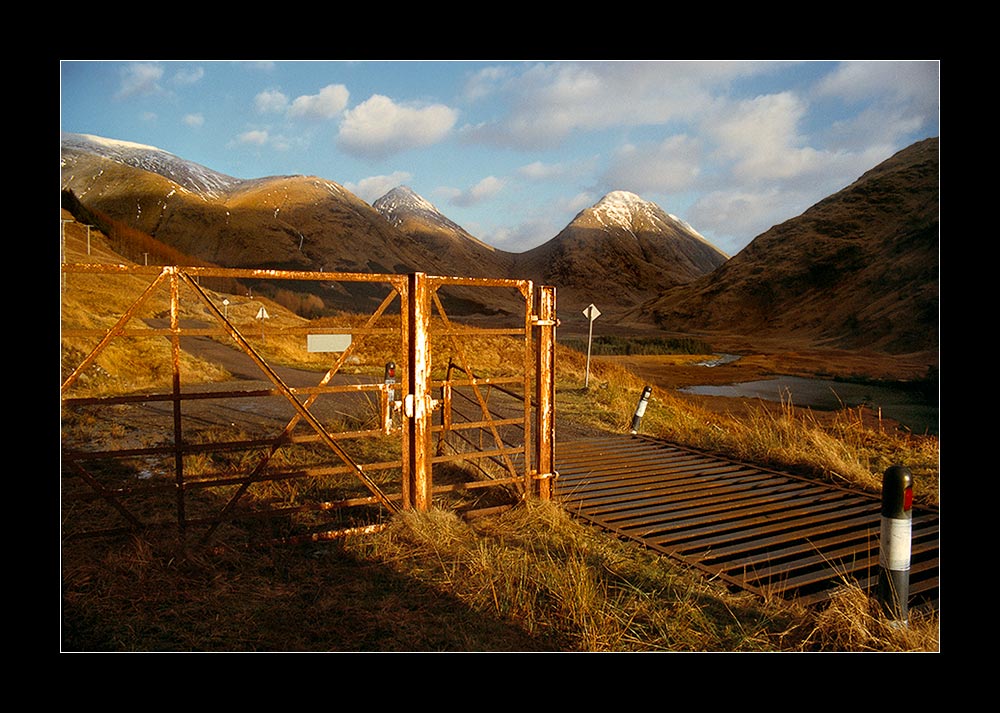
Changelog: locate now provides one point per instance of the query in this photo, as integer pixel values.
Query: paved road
(250, 413)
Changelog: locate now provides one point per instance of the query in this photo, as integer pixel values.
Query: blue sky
(513, 150)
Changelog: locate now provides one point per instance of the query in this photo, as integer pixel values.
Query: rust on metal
(417, 407)
(759, 530)
(417, 328)
(545, 395)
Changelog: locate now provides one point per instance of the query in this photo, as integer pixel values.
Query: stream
(907, 406)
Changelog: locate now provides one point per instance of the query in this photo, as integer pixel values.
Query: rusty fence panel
(220, 449)
(488, 412)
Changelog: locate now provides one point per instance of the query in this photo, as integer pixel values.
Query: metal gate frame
(419, 297)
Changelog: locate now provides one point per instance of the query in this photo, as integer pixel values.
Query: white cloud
(672, 165)
(194, 120)
(734, 217)
(141, 78)
(482, 191)
(548, 102)
(890, 102)
(380, 127)
(531, 232)
(539, 171)
(374, 187)
(903, 81)
(327, 104)
(574, 204)
(256, 137)
(187, 77)
(761, 137)
(270, 101)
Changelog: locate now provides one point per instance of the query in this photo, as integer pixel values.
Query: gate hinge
(538, 322)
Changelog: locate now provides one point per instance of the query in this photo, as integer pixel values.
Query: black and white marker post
(895, 543)
(640, 409)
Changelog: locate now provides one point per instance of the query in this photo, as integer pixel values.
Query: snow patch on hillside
(186, 174)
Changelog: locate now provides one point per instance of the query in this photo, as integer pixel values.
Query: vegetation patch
(605, 345)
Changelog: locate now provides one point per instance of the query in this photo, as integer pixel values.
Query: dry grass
(853, 622)
(530, 580)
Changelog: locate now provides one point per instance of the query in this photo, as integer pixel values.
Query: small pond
(908, 406)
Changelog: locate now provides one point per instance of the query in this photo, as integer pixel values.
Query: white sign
(328, 342)
(262, 313)
(590, 313)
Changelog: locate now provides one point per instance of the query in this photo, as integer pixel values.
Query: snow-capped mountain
(860, 267)
(402, 204)
(421, 220)
(621, 251)
(186, 174)
(622, 209)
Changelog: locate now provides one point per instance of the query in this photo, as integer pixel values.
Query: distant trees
(303, 304)
(632, 346)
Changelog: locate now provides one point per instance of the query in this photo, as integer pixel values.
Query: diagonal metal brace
(285, 391)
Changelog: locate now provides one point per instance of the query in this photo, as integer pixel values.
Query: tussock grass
(532, 579)
(127, 363)
(853, 622)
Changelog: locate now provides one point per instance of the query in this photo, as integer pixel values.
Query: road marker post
(640, 409)
(895, 543)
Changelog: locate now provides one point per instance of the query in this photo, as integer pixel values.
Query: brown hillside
(291, 222)
(858, 270)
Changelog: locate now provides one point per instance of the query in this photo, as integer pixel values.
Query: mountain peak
(401, 201)
(405, 209)
(622, 199)
(631, 212)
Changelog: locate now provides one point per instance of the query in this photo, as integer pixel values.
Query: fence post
(895, 542)
(545, 392)
(417, 406)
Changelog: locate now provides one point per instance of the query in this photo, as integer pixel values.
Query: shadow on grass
(315, 598)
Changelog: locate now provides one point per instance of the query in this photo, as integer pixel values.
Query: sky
(512, 150)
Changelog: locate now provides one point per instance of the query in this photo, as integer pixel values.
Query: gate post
(417, 405)
(545, 392)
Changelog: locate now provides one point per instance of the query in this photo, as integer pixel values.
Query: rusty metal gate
(402, 405)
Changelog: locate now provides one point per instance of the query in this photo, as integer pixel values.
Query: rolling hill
(858, 270)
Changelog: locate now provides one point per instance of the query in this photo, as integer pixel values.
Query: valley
(846, 291)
